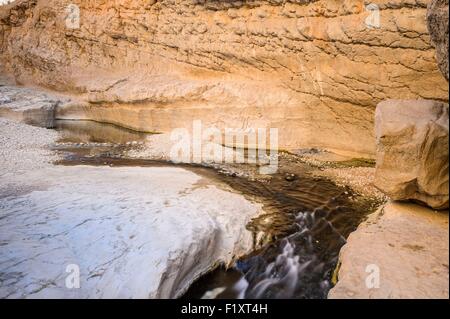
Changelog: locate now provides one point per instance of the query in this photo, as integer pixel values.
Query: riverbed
(296, 241)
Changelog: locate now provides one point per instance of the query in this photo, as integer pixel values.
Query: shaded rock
(406, 245)
(412, 151)
(437, 22)
(29, 106)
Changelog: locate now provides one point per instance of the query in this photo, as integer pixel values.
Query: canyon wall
(314, 69)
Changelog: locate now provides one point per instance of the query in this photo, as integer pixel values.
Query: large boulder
(400, 252)
(412, 151)
(437, 22)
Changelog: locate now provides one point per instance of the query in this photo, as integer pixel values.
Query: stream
(297, 241)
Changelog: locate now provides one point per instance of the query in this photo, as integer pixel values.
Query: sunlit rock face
(314, 69)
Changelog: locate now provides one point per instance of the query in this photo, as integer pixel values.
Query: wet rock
(437, 22)
(412, 151)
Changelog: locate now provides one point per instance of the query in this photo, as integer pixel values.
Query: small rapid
(299, 268)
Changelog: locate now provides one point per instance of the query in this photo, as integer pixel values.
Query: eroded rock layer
(314, 69)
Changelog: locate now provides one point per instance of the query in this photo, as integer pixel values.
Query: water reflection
(94, 132)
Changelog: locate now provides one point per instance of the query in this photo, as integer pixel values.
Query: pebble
(290, 177)
(25, 147)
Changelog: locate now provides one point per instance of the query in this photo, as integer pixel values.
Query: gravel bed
(24, 147)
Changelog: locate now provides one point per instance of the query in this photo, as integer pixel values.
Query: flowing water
(297, 241)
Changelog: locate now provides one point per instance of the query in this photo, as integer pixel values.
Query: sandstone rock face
(314, 69)
(401, 251)
(437, 21)
(412, 151)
